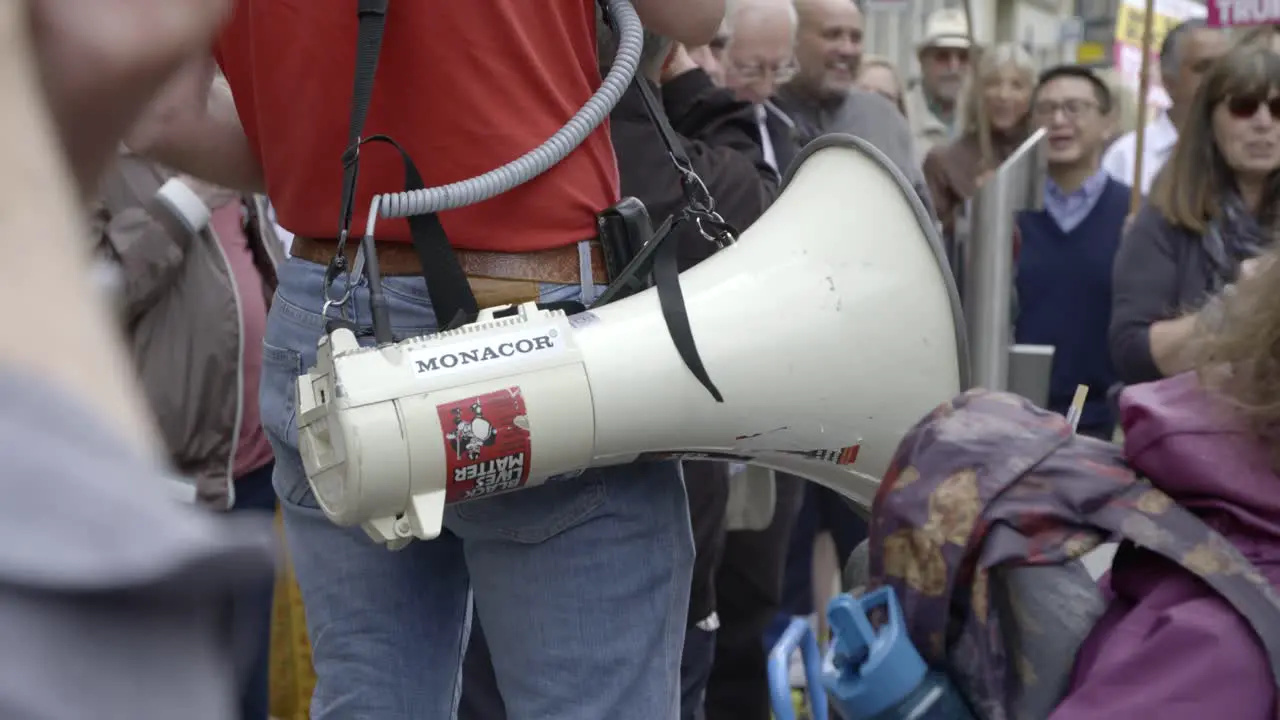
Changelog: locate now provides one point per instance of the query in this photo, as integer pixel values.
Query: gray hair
(652, 54)
(1171, 47)
(735, 8)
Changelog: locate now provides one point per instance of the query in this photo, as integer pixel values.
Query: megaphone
(830, 328)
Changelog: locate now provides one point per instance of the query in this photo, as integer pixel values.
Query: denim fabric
(582, 585)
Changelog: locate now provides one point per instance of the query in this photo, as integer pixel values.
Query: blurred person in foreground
(1168, 646)
(1186, 54)
(551, 569)
(102, 572)
(1066, 249)
(197, 265)
(1214, 208)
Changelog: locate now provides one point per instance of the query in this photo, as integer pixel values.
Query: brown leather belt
(559, 265)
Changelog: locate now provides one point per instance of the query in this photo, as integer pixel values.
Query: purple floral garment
(989, 482)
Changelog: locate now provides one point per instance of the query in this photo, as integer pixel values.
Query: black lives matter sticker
(486, 441)
(843, 456)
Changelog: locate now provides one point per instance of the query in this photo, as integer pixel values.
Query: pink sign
(1238, 13)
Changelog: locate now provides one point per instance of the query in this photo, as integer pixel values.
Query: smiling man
(822, 99)
(1067, 249)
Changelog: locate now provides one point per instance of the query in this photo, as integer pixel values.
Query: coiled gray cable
(537, 161)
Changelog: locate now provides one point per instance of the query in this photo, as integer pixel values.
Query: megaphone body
(829, 328)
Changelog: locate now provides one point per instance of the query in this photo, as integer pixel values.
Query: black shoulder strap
(699, 210)
(447, 286)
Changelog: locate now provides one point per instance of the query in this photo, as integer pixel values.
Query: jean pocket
(278, 392)
(532, 516)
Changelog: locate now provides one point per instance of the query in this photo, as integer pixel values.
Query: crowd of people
(214, 188)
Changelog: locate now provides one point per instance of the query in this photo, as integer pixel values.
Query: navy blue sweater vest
(1064, 299)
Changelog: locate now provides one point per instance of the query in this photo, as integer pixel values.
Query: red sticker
(843, 456)
(486, 444)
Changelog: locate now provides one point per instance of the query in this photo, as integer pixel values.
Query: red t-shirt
(463, 85)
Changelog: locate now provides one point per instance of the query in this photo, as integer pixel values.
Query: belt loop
(585, 275)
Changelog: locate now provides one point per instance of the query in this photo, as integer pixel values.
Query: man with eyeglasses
(757, 55)
(933, 101)
(1067, 249)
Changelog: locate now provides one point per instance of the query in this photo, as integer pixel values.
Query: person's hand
(185, 92)
(678, 63)
(100, 62)
(1213, 313)
(982, 179)
(704, 57)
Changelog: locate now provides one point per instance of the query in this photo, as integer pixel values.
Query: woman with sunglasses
(1213, 208)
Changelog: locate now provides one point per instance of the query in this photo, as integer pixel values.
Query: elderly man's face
(759, 56)
(942, 71)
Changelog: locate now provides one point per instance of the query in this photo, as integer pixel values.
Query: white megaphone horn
(829, 328)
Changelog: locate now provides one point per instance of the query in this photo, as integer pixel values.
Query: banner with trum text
(1241, 13)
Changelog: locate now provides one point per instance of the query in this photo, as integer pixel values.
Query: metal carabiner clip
(352, 280)
(723, 235)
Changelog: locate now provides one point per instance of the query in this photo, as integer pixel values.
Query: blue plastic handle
(871, 669)
(799, 635)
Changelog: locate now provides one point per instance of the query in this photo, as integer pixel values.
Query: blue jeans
(582, 585)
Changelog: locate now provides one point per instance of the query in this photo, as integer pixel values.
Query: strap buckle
(700, 206)
(338, 265)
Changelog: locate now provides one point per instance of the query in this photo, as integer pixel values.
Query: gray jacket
(182, 311)
(865, 115)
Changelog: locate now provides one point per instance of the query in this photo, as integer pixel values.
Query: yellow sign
(1129, 21)
(1093, 52)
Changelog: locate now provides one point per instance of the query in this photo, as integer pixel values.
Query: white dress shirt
(766, 142)
(1119, 160)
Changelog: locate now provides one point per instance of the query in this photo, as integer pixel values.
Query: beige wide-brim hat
(945, 28)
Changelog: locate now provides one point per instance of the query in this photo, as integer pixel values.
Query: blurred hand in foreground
(100, 62)
(706, 59)
(678, 63)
